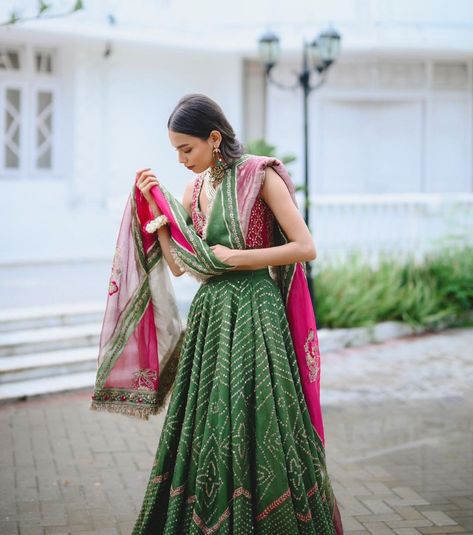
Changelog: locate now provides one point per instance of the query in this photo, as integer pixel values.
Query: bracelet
(153, 225)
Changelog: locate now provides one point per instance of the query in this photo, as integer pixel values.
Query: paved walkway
(399, 425)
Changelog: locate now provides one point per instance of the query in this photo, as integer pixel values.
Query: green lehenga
(238, 453)
(242, 445)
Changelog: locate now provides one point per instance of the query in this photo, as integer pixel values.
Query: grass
(435, 292)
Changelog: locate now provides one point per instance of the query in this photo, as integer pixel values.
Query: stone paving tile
(443, 530)
(378, 528)
(400, 464)
(439, 518)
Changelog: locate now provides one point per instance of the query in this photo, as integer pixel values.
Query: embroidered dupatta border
(136, 402)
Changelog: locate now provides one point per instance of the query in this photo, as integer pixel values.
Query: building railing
(400, 224)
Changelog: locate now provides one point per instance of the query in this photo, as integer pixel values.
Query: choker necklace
(212, 181)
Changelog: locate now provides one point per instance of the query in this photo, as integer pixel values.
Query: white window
(44, 129)
(29, 86)
(9, 59)
(12, 125)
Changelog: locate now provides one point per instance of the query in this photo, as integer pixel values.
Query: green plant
(43, 11)
(261, 147)
(436, 291)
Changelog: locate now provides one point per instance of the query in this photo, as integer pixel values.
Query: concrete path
(399, 437)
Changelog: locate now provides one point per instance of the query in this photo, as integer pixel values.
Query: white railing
(400, 224)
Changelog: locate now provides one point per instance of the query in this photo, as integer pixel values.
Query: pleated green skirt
(238, 453)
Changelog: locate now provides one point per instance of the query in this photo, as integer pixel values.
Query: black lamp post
(318, 56)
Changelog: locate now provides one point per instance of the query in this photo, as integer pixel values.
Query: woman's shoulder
(258, 159)
(256, 165)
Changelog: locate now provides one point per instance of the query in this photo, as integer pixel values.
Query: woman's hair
(197, 115)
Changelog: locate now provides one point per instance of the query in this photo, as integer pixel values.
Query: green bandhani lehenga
(239, 452)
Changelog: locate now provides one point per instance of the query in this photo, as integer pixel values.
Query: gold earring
(217, 171)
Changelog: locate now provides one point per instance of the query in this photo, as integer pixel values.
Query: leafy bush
(437, 291)
(261, 147)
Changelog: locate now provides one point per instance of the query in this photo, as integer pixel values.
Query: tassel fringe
(197, 276)
(142, 413)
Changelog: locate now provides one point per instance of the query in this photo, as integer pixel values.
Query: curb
(333, 339)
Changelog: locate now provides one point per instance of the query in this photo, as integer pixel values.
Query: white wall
(381, 125)
(143, 87)
(113, 116)
(403, 136)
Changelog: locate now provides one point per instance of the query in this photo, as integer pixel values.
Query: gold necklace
(211, 183)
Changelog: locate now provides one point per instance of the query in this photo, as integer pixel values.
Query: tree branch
(43, 8)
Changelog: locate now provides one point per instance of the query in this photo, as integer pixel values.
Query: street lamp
(318, 56)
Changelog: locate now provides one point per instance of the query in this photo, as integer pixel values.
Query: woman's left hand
(224, 254)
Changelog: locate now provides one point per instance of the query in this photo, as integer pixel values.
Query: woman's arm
(146, 179)
(164, 234)
(300, 247)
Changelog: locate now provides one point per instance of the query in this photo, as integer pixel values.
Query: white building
(391, 131)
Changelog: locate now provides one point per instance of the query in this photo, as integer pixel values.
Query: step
(50, 316)
(46, 364)
(47, 385)
(14, 319)
(49, 338)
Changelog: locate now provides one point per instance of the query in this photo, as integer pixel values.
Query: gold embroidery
(231, 193)
(113, 286)
(144, 379)
(312, 356)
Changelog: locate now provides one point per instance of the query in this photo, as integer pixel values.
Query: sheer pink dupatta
(141, 331)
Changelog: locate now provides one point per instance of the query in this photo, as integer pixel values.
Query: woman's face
(195, 153)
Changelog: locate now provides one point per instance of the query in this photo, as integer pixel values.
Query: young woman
(242, 444)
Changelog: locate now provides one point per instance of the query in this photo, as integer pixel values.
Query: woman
(242, 444)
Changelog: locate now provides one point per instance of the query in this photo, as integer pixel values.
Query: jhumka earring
(217, 171)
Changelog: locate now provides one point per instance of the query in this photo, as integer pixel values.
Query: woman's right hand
(145, 180)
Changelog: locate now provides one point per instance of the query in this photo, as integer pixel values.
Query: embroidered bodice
(259, 225)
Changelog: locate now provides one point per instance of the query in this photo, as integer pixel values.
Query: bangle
(153, 225)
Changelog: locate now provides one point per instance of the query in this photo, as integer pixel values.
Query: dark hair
(197, 115)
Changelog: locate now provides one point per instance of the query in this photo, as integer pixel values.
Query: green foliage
(436, 291)
(14, 18)
(43, 12)
(261, 148)
(42, 7)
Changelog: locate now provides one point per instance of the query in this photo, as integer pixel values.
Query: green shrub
(436, 291)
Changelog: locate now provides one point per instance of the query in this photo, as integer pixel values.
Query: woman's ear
(215, 138)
